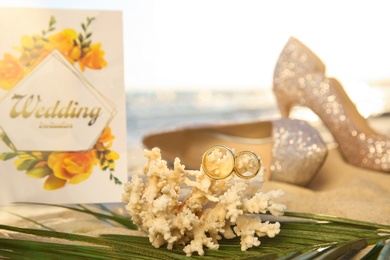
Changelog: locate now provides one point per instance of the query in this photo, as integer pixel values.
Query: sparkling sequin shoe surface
(291, 150)
(299, 79)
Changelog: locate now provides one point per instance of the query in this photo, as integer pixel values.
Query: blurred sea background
(161, 110)
(154, 111)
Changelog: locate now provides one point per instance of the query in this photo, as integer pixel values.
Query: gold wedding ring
(247, 164)
(219, 162)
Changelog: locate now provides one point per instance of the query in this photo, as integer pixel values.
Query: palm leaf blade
(113, 217)
(374, 252)
(385, 252)
(307, 235)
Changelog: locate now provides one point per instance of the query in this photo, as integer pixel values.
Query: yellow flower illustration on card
(94, 59)
(64, 40)
(58, 168)
(77, 47)
(71, 168)
(11, 71)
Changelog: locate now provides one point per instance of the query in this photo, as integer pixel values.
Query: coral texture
(189, 208)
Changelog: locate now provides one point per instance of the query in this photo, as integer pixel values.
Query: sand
(341, 190)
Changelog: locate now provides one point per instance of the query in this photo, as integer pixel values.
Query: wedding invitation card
(62, 106)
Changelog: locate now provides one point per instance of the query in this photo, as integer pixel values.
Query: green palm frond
(104, 217)
(302, 236)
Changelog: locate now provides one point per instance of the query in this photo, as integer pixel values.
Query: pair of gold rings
(219, 162)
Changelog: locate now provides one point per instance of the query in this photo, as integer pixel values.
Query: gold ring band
(218, 172)
(252, 167)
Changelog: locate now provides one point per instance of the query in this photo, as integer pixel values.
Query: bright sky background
(235, 43)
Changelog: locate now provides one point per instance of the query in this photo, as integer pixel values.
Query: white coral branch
(206, 214)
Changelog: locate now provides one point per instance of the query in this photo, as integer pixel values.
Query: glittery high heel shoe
(291, 150)
(299, 79)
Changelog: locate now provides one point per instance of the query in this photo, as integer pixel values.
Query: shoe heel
(284, 105)
(298, 152)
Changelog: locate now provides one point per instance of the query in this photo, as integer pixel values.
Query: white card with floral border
(62, 106)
